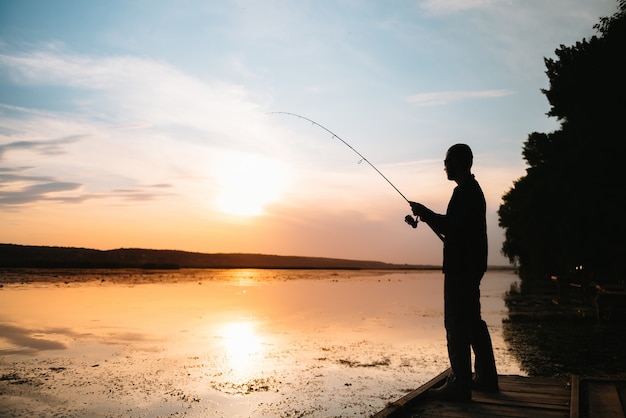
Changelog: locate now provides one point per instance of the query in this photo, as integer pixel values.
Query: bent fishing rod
(413, 222)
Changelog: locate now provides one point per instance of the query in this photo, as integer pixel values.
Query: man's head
(458, 162)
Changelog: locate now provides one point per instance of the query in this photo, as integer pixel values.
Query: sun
(247, 183)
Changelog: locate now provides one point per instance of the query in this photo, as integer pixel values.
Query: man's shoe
(484, 385)
(450, 392)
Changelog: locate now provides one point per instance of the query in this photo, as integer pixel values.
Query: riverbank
(558, 338)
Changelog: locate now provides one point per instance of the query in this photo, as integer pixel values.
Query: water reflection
(242, 345)
(232, 343)
(245, 277)
(18, 340)
(552, 340)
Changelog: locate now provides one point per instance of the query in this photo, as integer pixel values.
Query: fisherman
(464, 231)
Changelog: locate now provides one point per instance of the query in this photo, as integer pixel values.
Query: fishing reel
(411, 221)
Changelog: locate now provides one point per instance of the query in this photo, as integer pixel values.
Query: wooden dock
(519, 397)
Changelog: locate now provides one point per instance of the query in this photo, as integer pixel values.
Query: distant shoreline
(49, 257)
(25, 256)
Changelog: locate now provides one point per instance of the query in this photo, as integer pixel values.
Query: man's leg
(458, 337)
(485, 363)
(458, 332)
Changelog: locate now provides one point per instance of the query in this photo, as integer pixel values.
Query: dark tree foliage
(568, 210)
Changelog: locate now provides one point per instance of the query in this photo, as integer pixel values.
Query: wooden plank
(519, 397)
(478, 408)
(604, 400)
(451, 411)
(574, 404)
(544, 398)
(522, 392)
(544, 382)
(461, 414)
(537, 401)
(396, 408)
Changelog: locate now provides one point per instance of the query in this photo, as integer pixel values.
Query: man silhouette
(464, 232)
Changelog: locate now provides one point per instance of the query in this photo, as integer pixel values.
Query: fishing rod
(408, 219)
(348, 145)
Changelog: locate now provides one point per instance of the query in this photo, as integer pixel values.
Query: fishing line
(334, 135)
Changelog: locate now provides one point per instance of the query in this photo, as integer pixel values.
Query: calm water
(226, 342)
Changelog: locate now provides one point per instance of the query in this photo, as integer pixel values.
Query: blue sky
(145, 123)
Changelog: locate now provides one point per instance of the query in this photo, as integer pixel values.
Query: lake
(231, 343)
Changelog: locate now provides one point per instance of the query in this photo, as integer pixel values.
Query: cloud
(132, 83)
(17, 188)
(137, 194)
(51, 68)
(51, 147)
(452, 6)
(134, 93)
(447, 97)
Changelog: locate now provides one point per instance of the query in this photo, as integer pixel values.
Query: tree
(567, 210)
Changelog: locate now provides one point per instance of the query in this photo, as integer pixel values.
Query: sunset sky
(146, 123)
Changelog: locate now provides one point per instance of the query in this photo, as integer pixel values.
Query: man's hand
(418, 209)
(409, 219)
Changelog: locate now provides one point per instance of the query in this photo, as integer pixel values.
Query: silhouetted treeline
(55, 257)
(568, 210)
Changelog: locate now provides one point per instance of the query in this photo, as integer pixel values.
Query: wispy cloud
(17, 187)
(147, 86)
(50, 147)
(451, 6)
(446, 97)
(139, 194)
(132, 92)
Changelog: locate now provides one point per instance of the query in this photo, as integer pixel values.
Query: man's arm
(436, 221)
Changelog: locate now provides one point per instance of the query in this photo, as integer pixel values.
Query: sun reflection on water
(242, 345)
(245, 277)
